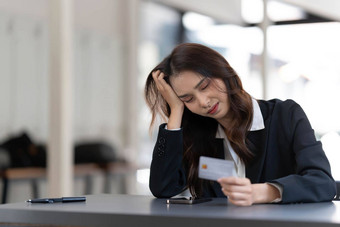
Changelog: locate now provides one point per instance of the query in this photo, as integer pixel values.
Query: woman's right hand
(176, 105)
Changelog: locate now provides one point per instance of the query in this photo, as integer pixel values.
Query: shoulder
(277, 103)
(279, 107)
(287, 115)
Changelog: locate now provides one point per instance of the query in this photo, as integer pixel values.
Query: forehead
(185, 81)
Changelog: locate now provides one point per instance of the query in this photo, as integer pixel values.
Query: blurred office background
(287, 49)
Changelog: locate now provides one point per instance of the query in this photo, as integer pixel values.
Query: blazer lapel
(257, 142)
(219, 148)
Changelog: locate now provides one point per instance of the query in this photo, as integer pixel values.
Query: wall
(98, 63)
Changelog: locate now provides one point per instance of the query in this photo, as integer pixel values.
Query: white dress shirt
(257, 124)
(239, 167)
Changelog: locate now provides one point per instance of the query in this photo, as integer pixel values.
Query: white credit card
(214, 168)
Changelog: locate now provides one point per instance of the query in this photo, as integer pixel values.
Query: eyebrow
(197, 85)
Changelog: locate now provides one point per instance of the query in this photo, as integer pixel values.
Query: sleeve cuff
(280, 188)
(175, 129)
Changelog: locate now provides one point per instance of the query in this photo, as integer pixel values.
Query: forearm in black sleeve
(313, 181)
(167, 175)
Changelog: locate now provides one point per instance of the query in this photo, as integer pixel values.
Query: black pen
(58, 200)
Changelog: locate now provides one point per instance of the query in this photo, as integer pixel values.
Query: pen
(58, 200)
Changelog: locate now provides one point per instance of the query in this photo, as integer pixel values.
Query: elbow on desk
(335, 190)
(163, 186)
(160, 194)
(327, 190)
(322, 190)
(161, 191)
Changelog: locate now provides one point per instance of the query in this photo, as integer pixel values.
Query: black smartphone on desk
(187, 200)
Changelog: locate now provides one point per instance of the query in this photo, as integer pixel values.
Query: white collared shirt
(257, 124)
(240, 169)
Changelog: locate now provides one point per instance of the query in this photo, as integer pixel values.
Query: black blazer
(286, 153)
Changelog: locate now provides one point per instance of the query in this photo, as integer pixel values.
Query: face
(202, 95)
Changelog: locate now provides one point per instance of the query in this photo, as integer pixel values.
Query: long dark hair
(199, 132)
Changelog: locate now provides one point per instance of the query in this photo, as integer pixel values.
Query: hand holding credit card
(214, 168)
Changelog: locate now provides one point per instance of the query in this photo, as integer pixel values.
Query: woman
(208, 113)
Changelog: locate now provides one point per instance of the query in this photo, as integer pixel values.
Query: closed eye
(188, 100)
(205, 85)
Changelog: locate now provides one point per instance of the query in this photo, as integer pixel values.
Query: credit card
(214, 168)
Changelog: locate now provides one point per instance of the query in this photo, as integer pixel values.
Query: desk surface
(129, 210)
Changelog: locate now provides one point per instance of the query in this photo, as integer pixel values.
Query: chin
(219, 115)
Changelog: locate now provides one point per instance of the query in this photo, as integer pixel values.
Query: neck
(225, 122)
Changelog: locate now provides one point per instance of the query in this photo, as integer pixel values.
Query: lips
(213, 109)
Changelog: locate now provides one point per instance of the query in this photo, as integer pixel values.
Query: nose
(203, 101)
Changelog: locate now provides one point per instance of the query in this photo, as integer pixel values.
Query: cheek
(223, 97)
(191, 107)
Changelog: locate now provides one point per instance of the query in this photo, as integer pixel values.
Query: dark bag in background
(97, 152)
(23, 152)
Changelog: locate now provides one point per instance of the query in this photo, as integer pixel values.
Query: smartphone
(187, 200)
